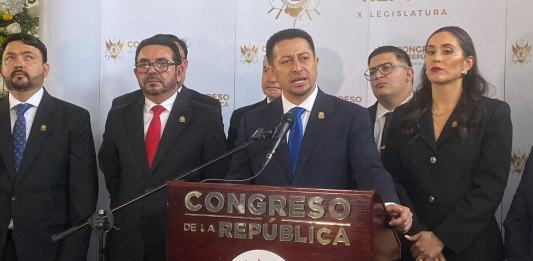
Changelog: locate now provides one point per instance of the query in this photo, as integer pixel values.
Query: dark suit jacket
(185, 144)
(454, 187)
(194, 95)
(57, 184)
(519, 221)
(372, 111)
(337, 151)
(235, 121)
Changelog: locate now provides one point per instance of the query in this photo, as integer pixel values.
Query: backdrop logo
(223, 98)
(518, 162)
(296, 9)
(249, 54)
(384, 11)
(352, 99)
(416, 53)
(521, 53)
(114, 49)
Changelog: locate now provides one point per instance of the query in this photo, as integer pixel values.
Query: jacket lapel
(322, 110)
(41, 127)
(178, 120)
(6, 149)
(450, 128)
(133, 120)
(372, 110)
(427, 133)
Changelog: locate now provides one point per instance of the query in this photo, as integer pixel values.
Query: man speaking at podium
(329, 144)
(150, 140)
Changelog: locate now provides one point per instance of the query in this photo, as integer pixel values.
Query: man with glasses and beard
(48, 177)
(391, 76)
(151, 140)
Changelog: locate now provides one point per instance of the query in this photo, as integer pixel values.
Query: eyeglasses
(384, 69)
(159, 66)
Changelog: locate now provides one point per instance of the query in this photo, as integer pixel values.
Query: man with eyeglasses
(152, 140)
(202, 98)
(391, 76)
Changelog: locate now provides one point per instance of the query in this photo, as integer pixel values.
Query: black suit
(372, 111)
(235, 121)
(57, 184)
(519, 221)
(193, 135)
(453, 186)
(337, 151)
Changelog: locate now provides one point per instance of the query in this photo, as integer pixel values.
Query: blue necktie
(19, 133)
(295, 137)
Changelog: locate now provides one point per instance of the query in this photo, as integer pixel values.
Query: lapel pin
(182, 119)
(454, 124)
(44, 128)
(321, 115)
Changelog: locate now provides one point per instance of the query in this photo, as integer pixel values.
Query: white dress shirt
(307, 104)
(380, 122)
(148, 114)
(29, 115)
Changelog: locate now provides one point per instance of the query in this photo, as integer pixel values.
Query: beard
(151, 85)
(20, 82)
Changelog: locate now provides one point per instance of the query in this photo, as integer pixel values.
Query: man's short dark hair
(287, 34)
(28, 40)
(400, 54)
(182, 44)
(160, 39)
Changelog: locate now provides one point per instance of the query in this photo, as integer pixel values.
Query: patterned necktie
(19, 133)
(153, 134)
(295, 137)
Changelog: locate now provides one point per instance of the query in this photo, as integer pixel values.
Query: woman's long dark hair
(471, 111)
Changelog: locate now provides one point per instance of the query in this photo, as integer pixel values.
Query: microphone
(259, 134)
(278, 135)
(280, 131)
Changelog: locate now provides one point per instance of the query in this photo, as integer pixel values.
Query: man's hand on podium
(402, 218)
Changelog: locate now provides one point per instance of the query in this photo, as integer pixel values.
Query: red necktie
(153, 134)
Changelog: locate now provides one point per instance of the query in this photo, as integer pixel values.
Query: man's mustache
(18, 72)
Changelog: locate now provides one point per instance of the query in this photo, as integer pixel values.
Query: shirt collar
(381, 110)
(307, 104)
(34, 100)
(167, 104)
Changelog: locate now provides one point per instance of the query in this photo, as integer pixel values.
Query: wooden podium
(246, 222)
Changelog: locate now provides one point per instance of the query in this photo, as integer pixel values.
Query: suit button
(143, 220)
(433, 160)
(13, 198)
(431, 199)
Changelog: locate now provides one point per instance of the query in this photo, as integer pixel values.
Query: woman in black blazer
(449, 152)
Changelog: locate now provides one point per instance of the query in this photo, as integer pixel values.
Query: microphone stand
(99, 221)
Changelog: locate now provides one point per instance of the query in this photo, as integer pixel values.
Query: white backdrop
(92, 46)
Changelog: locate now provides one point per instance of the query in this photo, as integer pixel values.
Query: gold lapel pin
(321, 115)
(454, 124)
(182, 119)
(44, 128)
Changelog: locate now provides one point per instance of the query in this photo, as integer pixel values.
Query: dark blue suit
(337, 151)
(519, 221)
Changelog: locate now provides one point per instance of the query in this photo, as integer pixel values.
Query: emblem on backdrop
(297, 9)
(114, 49)
(521, 53)
(249, 53)
(518, 162)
